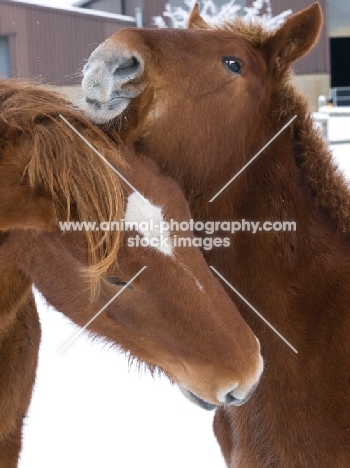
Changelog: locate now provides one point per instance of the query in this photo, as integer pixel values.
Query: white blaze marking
(148, 218)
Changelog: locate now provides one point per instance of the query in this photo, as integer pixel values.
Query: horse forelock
(250, 31)
(327, 183)
(60, 164)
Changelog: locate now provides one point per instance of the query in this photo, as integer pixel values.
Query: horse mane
(327, 183)
(251, 31)
(61, 166)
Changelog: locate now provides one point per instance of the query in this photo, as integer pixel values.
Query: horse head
(180, 88)
(175, 315)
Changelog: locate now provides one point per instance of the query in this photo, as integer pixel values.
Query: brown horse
(174, 313)
(202, 102)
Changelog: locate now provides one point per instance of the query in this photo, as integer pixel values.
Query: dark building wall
(112, 6)
(218, 3)
(130, 6)
(52, 44)
(150, 8)
(13, 25)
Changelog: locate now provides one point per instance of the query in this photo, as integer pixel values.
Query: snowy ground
(90, 411)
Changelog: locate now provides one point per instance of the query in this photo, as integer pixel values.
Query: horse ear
(295, 38)
(195, 21)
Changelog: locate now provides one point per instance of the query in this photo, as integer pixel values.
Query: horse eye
(232, 64)
(118, 282)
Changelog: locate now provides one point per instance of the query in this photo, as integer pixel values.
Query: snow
(341, 154)
(339, 135)
(89, 410)
(338, 119)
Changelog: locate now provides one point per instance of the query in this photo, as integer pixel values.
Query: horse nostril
(230, 399)
(93, 102)
(129, 65)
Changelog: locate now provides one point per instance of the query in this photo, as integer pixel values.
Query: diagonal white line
(254, 157)
(101, 156)
(101, 310)
(254, 309)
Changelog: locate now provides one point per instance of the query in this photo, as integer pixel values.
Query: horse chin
(103, 113)
(198, 401)
(210, 406)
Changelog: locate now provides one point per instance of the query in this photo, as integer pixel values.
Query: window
(4, 57)
(340, 62)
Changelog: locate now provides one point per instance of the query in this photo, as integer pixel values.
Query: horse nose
(105, 67)
(240, 392)
(232, 399)
(126, 67)
(111, 75)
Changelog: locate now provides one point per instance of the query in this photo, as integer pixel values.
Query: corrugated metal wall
(52, 44)
(113, 6)
(218, 3)
(150, 8)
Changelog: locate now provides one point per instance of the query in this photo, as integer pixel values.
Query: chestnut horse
(172, 316)
(202, 102)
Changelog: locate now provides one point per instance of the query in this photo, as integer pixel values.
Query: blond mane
(60, 165)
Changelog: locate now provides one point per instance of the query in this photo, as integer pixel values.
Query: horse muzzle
(111, 79)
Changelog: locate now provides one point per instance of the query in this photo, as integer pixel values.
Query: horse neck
(15, 287)
(273, 188)
(289, 274)
(197, 160)
(48, 263)
(55, 269)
